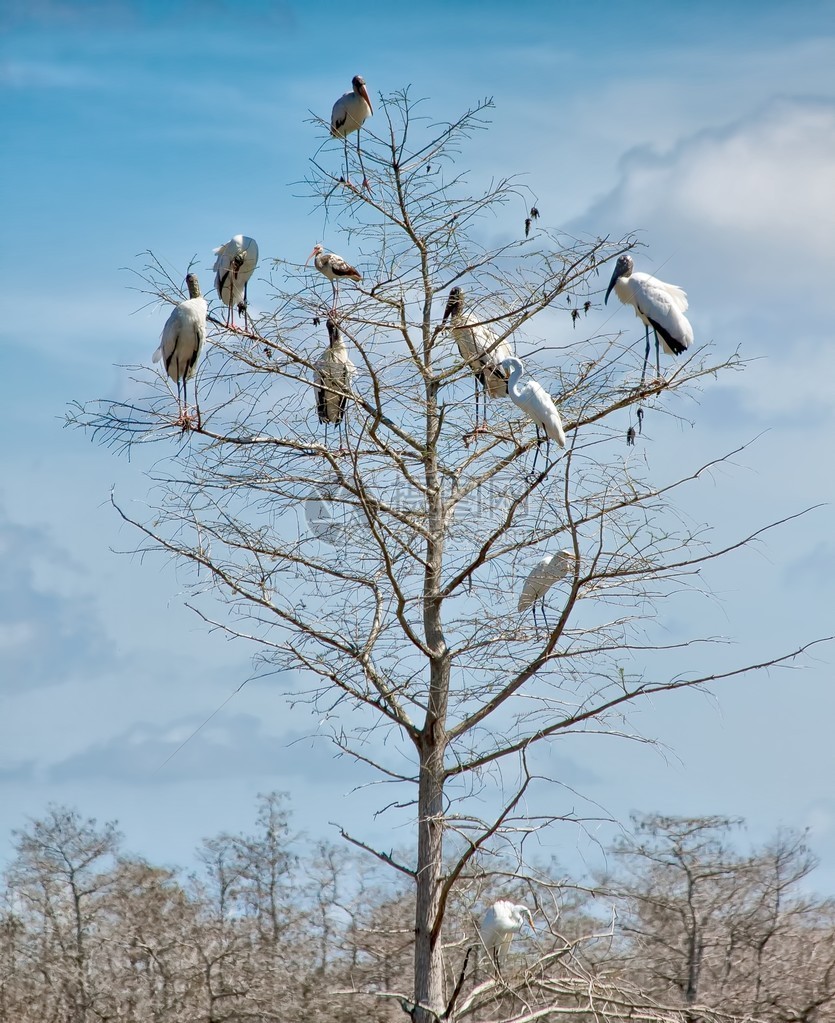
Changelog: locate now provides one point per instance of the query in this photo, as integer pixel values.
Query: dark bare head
(454, 304)
(193, 286)
(333, 331)
(623, 268)
(359, 87)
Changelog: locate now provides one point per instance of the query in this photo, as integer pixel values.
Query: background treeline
(272, 926)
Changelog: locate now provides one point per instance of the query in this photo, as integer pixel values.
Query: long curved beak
(612, 282)
(312, 254)
(450, 310)
(366, 97)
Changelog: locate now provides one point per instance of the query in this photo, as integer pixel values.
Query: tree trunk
(431, 748)
(428, 960)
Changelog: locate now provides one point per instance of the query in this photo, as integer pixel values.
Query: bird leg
(359, 154)
(182, 419)
(646, 356)
(479, 428)
(196, 405)
(243, 309)
(536, 450)
(657, 356)
(347, 178)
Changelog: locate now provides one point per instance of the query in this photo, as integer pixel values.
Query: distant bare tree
(705, 924)
(384, 568)
(59, 883)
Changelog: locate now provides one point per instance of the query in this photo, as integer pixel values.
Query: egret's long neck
(513, 380)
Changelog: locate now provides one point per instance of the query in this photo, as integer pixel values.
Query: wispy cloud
(32, 74)
(227, 746)
(46, 638)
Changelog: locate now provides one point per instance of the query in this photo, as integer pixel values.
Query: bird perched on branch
(334, 371)
(536, 403)
(180, 344)
(501, 922)
(334, 268)
(549, 570)
(349, 114)
(479, 348)
(235, 264)
(657, 304)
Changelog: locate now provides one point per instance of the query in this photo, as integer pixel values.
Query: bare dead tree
(386, 571)
(703, 922)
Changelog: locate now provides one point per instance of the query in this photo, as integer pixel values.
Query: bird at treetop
(349, 114)
(549, 570)
(501, 922)
(658, 305)
(479, 347)
(334, 268)
(180, 344)
(332, 381)
(536, 403)
(235, 264)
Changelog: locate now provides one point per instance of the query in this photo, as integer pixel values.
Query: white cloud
(46, 638)
(748, 200)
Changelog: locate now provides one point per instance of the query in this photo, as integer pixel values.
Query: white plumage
(542, 577)
(501, 921)
(334, 267)
(479, 348)
(334, 371)
(657, 304)
(535, 402)
(349, 114)
(180, 344)
(235, 264)
(351, 110)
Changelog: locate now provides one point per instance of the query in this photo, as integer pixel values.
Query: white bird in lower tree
(334, 268)
(334, 371)
(479, 347)
(180, 344)
(658, 305)
(235, 264)
(536, 403)
(549, 570)
(349, 114)
(501, 921)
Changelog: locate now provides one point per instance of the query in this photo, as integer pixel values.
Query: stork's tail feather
(673, 343)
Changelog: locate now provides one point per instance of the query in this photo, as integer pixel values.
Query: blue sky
(134, 126)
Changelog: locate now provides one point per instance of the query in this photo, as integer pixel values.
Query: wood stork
(549, 570)
(349, 114)
(180, 344)
(536, 403)
(501, 921)
(658, 305)
(334, 371)
(235, 264)
(480, 349)
(334, 268)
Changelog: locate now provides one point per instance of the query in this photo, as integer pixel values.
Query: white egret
(536, 403)
(180, 344)
(479, 348)
(334, 268)
(549, 570)
(334, 371)
(235, 264)
(657, 304)
(501, 921)
(349, 114)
